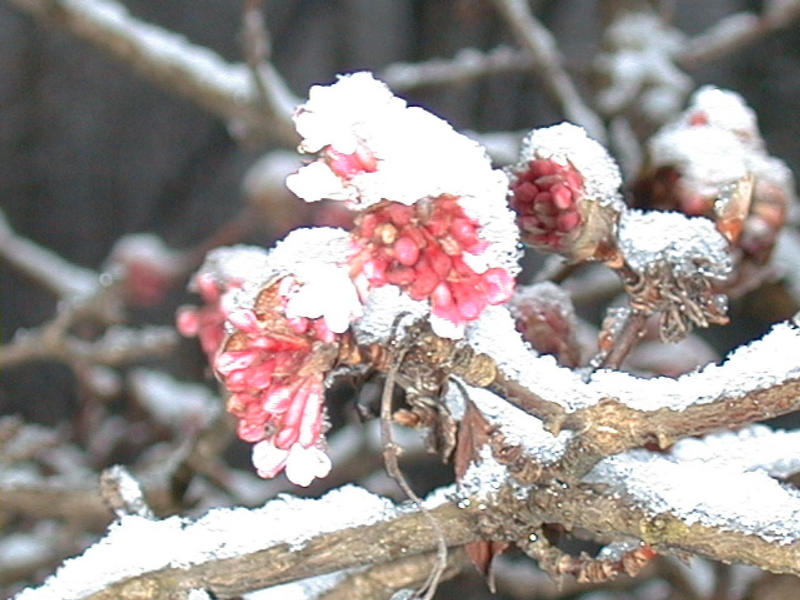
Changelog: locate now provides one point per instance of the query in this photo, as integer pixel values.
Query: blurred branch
(169, 60)
(466, 65)
(46, 267)
(735, 31)
(541, 46)
(117, 346)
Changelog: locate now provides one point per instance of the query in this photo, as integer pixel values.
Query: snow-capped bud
(147, 267)
(565, 190)
(674, 266)
(546, 319)
(711, 161)
(372, 147)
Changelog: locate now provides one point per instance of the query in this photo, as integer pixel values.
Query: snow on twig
(172, 62)
(466, 65)
(735, 31)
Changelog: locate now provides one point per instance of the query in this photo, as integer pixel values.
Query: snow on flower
(374, 147)
(271, 331)
(698, 159)
(565, 189)
(434, 219)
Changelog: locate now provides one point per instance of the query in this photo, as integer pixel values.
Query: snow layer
(135, 545)
(759, 365)
(417, 154)
(753, 448)
(714, 493)
(689, 244)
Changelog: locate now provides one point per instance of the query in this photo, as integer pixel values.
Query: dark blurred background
(89, 151)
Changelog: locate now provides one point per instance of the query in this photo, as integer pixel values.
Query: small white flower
(268, 459)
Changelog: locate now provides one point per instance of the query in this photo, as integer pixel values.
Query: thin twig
(629, 335)
(735, 31)
(539, 42)
(390, 455)
(468, 64)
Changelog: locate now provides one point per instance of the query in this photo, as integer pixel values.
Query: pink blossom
(421, 249)
(269, 365)
(547, 196)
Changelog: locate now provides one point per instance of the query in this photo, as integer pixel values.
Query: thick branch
(404, 536)
(539, 42)
(611, 427)
(382, 581)
(170, 61)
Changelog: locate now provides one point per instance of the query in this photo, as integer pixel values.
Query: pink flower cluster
(207, 323)
(421, 249)
(268, 364)
(546, 196)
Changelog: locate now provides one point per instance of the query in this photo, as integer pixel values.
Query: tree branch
(541, 46)
(466, 65)
(170, 61)
(735, 31)
(399, 536)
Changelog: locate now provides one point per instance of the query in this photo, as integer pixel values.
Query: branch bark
(404, 536)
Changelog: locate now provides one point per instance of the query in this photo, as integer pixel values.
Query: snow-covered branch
(169, 60)
(737, 30)
(466, 65)
(232, 551)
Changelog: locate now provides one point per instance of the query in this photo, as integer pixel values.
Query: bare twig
(122, 493)
(169, 60)
(390, 455)
(735, 31)
(119, 345)
(468, 64)
(539, 42)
